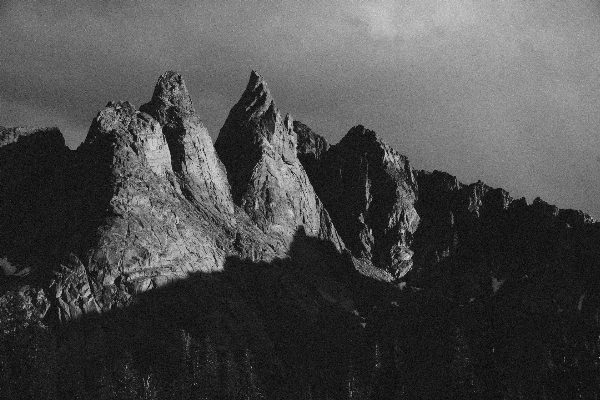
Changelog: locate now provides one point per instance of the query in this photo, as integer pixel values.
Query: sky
(507, 92)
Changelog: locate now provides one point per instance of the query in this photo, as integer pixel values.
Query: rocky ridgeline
(329, 267)
(146, 200)
(310, 148)
(370, 191)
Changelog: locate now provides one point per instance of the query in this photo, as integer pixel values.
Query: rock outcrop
(370, 191)
(123, 139)
(310, 148)
(201, 174)
(132, 229)
(456, 288)
(258, 147)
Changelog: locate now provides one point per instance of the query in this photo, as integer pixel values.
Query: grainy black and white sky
(503, 91)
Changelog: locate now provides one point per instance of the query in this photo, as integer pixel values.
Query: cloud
(506, 92)
(379, 18)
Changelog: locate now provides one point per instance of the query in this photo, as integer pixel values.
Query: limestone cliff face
(201, 174)
(258, 147)
(370, 191)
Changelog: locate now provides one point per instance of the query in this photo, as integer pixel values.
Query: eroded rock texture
(132, 229)
(432, 266)
(258, 147)
(310, 148)
(202, 175)
(370, 191)
(144, 201)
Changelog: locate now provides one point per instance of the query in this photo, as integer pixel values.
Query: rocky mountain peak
(201, 174)
(123, 138)
(258, 147)
(175, 290)
(370, 190)
(257, 98)
(170, 100)
(362, 140)
(247, 133)
(359, 133)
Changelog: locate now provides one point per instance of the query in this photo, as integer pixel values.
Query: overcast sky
(503, 91)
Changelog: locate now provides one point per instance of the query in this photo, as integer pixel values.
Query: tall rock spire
(258, 147)
(201, 173)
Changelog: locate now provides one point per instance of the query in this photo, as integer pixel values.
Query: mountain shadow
(308, 326)
(291, 328)
(52, 199)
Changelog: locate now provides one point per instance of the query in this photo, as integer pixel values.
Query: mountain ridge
(295, 242)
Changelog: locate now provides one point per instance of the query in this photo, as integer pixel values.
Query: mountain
(258, 147)
(202, 175)
(148, 263)
(370, 191)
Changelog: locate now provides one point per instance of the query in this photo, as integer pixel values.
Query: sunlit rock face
(258, 147)
(131, 228)
(128, 137)
(201, 174)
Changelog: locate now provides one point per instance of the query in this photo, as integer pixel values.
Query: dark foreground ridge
(148, 264)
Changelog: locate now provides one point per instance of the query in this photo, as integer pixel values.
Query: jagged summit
(258, 147)
(359, 136)
(170, 99)
(123, 138)
(310, 144)
(201, 174)
(257, 98)
(253, 127)
(369, 190)
(359, 132)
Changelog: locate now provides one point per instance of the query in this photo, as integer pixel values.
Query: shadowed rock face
(310, 148)
(370, 191)
(258, 147)
(29, 161)
(201, 174)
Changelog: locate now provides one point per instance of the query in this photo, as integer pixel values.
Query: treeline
(38, 362)
(424, 347)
